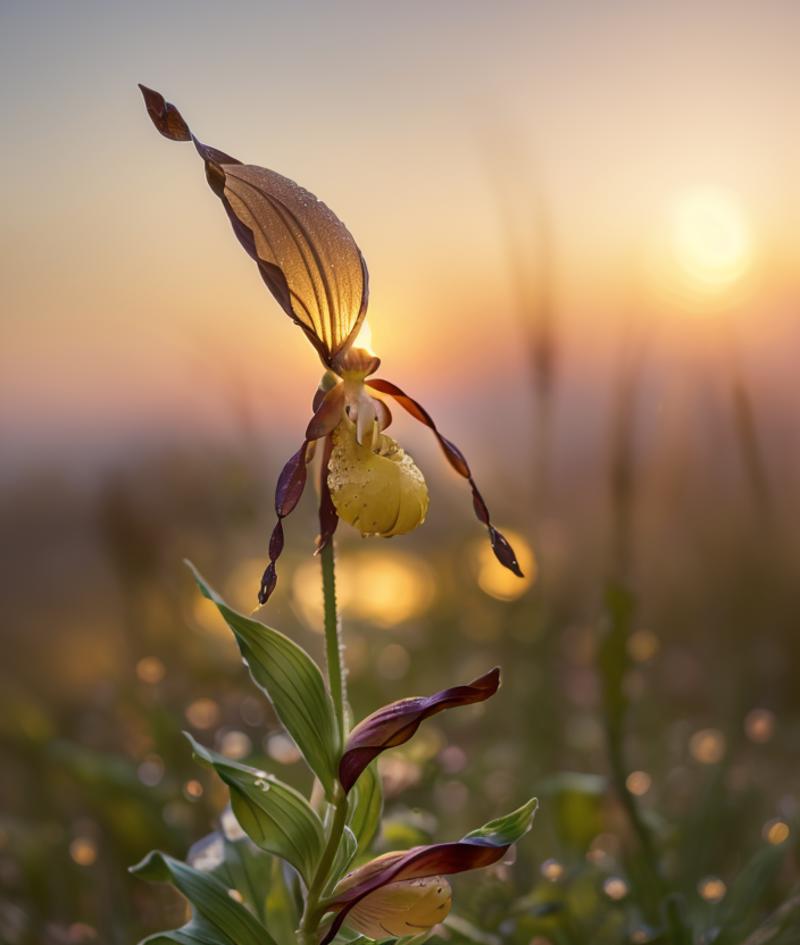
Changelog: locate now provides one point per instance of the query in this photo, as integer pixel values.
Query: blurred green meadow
(110, 653)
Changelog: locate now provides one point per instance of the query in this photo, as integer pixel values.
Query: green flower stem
(333, 643)
(314, 910)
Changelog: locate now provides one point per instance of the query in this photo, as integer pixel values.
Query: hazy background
(580, 223)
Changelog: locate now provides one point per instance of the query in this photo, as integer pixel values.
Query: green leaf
(230, 856)
(292, 682)
(345, 854)
(195, 932)
(218, 919)
(507, 829)
(281, 905)
(367, 807)
(237, 863)
(276, 817)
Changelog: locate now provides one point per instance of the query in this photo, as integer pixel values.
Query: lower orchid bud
(375, 487)
(407, 907)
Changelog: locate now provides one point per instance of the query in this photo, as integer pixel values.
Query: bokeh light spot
(282, 749)
(203, 713)
(552, 870)
(151, 771)
(150, 670)
(638, 783)
(615, 887)
(642, 646)
(83, 851)
(712, 889)
(707, 746)
(776, 831)
(235, 745)
(193, 790)
(759, 725)
(382, 587)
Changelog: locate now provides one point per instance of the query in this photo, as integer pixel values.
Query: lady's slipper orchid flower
(382, 893)
(395, 723)
(314, 269)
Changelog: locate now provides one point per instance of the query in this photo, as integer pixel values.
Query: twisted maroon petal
(397, 722)
(291, 483)
(500, 545)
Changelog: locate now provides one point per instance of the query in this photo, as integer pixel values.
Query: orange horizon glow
(130, 303)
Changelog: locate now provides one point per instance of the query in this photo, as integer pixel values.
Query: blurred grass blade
(677, 932)
(366, 807)
(218, 919)
(293, 683)
(613, 654)
(747, 891)
(276, 817)
(786, 918)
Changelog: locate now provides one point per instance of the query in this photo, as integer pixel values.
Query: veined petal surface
(305, 254)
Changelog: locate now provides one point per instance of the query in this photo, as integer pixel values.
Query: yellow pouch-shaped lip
(377, 489)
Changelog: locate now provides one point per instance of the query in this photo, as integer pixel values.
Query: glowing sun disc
(710, 239)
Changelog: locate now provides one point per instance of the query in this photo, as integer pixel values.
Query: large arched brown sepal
(306, 256)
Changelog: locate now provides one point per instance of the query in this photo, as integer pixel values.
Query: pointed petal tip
(166, 118)
(503, 551)
(268, 582)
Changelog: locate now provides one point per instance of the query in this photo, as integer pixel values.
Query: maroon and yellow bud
(407, 907)
(480, 848)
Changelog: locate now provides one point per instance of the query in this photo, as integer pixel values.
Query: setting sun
(710, 240)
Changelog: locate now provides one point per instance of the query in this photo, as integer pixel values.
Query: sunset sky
(130, 311)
